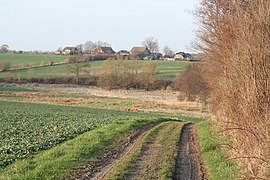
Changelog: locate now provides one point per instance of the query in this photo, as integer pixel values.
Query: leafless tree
(151, 44)
(78, 66)
(80, 48)
(192, 85)
(90, 47)
(4, 48)
(168, 51)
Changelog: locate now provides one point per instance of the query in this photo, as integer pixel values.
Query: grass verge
(60, 161)
(218, 165)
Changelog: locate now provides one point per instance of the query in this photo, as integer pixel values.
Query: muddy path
(189, 164)
(151, 162)
(167, 151)
(98, 169)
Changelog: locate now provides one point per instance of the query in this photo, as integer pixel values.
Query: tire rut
(150, 160)
(99, 169)
(189, 164)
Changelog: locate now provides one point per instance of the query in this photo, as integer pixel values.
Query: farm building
(178, 56)
(182, 56)
(105, 50)
(70, 50)
(140, 52)
(123, 53)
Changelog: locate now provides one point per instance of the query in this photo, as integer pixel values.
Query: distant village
(103, 51)
(139, 53)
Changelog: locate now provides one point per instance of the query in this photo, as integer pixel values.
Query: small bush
(4, 65)
(192, 85)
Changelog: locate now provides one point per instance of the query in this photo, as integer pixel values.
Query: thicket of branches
(124, 74)
(235, 38)
(192, 85)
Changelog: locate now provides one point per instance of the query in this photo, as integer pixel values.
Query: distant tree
(192, 84)
(78, 66)
(80, 48)
(4, 48)
(90, 47)
(151, 44)
(167, 51)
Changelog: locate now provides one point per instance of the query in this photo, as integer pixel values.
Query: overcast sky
(49, 24)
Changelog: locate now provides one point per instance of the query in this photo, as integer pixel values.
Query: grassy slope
(218, 165)
(166, 69)
(58, 162)
(20, 59)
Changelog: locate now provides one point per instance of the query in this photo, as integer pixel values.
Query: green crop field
(26, 128)
(166, 69)
(22, 60)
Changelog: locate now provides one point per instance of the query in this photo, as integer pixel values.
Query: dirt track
(189, 165)
(98, 169)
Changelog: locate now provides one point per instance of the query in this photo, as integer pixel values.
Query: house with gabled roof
(139, 52)
(70, 50)
(105, 50)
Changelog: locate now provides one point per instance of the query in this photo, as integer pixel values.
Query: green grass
(34, 59)
(26, 128)
(60, 161)
(166, 69)
(218, 165)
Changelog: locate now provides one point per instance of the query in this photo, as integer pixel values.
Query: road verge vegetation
(219, 166)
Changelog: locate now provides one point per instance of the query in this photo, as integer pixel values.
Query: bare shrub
(125, 74)
(118, 74)
(5, 65)
(191, 84)
(147, 75)
(235, 39)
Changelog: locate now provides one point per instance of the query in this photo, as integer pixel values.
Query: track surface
(98, 169)
(189, 164)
